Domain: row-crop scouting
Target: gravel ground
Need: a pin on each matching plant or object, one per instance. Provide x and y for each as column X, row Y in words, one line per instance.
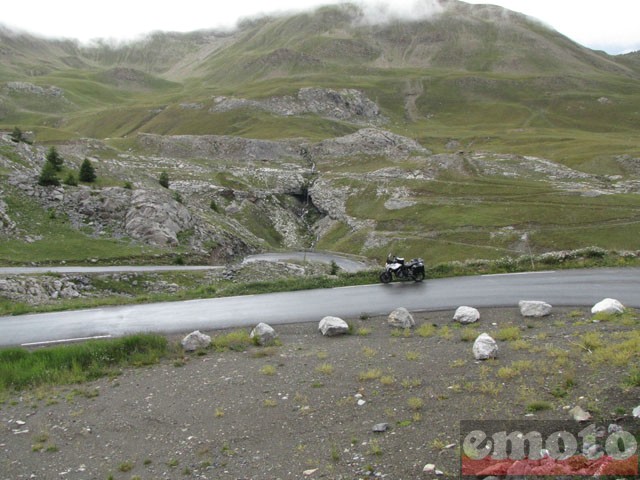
column 307, row 408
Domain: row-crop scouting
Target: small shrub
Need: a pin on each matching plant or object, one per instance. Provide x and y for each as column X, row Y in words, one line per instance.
column 163, row 179
column 71, row 180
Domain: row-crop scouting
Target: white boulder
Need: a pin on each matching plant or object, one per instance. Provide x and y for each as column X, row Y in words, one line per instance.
column 332, row 326
column 263, row 334
column 534, row 308
column 485, row 347
column 401, row 318
column 466, row 315
column 608, row 305
column 195, row 340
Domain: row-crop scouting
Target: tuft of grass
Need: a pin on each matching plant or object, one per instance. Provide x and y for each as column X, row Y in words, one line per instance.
column 375, row 448
column 633, row 377
column 387, row 380
column 325, row 369
column 507, row 373
column 415, row 403
column 508, row 334
column 125, row 466
column 409, row 383
column 371, row 374
column 426, row 330
column 369, row 352
column 445, row 332
column 468, row 334
column 268, row 370
column 538, row 406
column 363, row 331
column 591, row 341
column 237, row 340
column 412, row 355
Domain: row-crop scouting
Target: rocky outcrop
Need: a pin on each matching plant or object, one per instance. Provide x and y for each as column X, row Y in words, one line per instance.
column 347, row 104
column 39, row 290
column 31, row 89
column 156, row 219
column 369, row 142
column 7, row 226
column 222, row 147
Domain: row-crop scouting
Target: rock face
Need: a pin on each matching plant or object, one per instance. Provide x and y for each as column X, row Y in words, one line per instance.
column 332, row 326
column 156, row 220
column 195, row 340
column 401, row 318
column 347, row 104
column 368, row 141
column 485, row 347
column 534, row 308
column 264, row 334
column 608, row 305
column 466, row 315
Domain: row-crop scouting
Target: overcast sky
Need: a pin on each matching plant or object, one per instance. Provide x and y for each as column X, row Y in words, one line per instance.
column 610, row 25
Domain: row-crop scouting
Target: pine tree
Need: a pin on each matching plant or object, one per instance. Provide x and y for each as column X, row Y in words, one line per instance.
column 55, row 159
column 16, row 135
column 48, row 175
column 87, row 172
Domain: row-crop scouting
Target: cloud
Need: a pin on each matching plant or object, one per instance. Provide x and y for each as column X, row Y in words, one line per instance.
column 382, row 12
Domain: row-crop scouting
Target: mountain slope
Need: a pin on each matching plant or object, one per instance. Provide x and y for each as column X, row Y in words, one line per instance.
column 474, row 132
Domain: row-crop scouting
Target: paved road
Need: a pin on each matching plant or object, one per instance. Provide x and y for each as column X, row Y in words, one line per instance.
column 346, row 264
column 561, row 288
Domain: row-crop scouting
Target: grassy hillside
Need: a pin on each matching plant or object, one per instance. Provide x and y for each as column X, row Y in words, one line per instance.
column 474, row 79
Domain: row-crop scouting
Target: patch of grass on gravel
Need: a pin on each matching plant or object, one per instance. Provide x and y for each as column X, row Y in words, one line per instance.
column 21, row 368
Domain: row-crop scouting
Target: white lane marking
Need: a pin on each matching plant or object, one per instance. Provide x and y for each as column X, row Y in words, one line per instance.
column 518, row 273
column 51, row 342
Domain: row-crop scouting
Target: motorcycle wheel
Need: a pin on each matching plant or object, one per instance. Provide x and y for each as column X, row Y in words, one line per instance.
column 418, row 276
column 385, row 277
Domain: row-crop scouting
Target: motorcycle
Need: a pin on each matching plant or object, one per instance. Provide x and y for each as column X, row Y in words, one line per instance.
column 413, row 270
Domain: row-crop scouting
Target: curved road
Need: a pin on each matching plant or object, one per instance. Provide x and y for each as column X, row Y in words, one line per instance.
column 561, row 288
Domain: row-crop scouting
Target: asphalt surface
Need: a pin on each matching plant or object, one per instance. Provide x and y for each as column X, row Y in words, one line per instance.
column 346, row 264
column 559, row 288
